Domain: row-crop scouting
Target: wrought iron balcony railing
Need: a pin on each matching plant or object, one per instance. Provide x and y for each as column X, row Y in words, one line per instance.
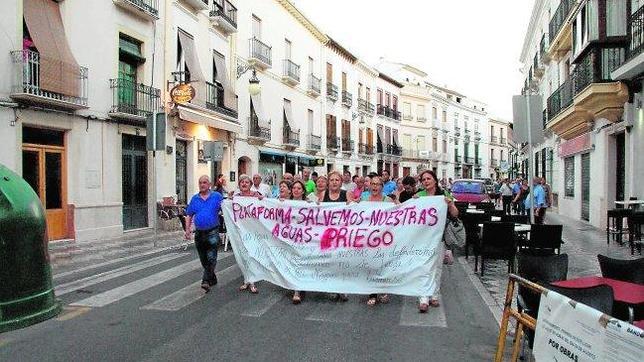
column 636, row 33
column 558, row 20
column 394, row 150
column 256, row 131
column 347, row 99
column 215, row 100
column 131, row 99
column 315, row 142
column 260, row 51
column 469, row 160
column 291, row 137
column 332, row 142
column 502, row 140
column 226, row 10
column 291, row 70
column 457, row 158
column 314, row 84
column 48, row 81
column 149, row 8
column 494, row 162
column 560, row 99
column 332, row 91
column 347, row 145
column 388, row 112
column 494, row 139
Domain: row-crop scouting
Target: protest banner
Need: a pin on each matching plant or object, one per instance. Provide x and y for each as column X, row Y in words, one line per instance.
column 571, row 331
column 367, row 247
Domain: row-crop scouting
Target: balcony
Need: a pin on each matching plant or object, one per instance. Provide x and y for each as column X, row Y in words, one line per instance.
column 332, row 142
column 290, row 72
column 147, row 9
column 560, row 30
column 477, row 136
column 466, row 138
column 64, row 86
column 589, row 94
column 215, row 100
column 469, row 160
column 197, row 4
column 259, row 54
column 421, row 118
column 478, row 161
column 394, row 150
column 347, row 99
column 257, row 132
column 544, row 44
column 457, row 131
column 133, row 101
column 502, row 140
column 314, row 86
column 634, row 64
column 290, row 138
column 494, row 162
column 347, row 145
column 365, row 149
column 538, row 67
column 467, row 131
column 365, row 107
column 457, row 159
column 407, row 117
column 315, row 143
column 388, row 112
column 223, row 15
column 331, row 92
column 494, row 139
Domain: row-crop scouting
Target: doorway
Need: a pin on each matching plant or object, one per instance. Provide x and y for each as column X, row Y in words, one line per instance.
column 585, row 186
column 135, row 182
column 44, row 168
column 181, row 165
column 620, row 167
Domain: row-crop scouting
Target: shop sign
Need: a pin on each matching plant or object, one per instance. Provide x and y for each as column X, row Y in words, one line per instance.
column 576, row 145
column 182, row 93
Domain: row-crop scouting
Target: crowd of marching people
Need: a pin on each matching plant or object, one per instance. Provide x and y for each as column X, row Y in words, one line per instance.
column 309, row 186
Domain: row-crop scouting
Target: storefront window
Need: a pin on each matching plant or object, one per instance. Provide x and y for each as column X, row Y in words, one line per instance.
column 569, row 176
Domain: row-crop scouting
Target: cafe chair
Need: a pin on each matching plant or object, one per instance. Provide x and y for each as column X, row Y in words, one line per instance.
column 541, row 270
column 615, row 224
column 625, row 270
column 472, row 231
column 599, row 297
column 461, row 204
column 635, row 224
column 497, row 243
column 517, row 219
column 544, row 240
column 495, row 212
column 485, row 206
column 634, row 207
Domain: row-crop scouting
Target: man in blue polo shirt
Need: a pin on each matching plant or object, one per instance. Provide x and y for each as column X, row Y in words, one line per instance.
column 389, row 186
column 204, row 209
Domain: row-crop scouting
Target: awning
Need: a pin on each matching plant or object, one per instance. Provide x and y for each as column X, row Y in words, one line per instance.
column 381, row 138
column 289, row 117
column 230, row 100
column 192, row 63
column 59, row 71
column 195, row 116
column 395, row 134
column 259, row 110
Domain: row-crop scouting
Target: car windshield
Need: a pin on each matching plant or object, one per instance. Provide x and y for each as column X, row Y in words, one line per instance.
column 464, row 187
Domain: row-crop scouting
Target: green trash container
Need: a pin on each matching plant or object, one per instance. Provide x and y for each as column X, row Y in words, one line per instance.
column 26, row 290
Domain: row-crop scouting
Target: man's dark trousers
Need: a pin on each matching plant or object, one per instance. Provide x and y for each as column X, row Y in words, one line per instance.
column 206, row 242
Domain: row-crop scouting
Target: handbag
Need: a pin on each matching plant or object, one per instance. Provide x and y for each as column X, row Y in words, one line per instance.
column 454, row 233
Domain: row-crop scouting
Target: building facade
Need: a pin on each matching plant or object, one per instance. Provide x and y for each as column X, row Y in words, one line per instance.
column 582, row 57
column 499, row 149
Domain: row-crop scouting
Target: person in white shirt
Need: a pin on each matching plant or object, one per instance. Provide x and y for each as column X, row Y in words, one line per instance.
column 506, row 196
column 347, row 184
column 260, row 187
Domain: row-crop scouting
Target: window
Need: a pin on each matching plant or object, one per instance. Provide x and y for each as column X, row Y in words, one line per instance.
column 476, row 124
column 435, row 144
column 257, row 27
column 394, row 104
column 444, row 146
column 129, row 60
column 492, row 154
column 434, row 113
column 329, row 73
column 379, row 97
column 421, row 143
column 406, row 141
column 501, row 157
column 616, row 17
column 569, row 176
column 407, row 110
column 311, row 66
column 360, row 90
column 310, row 121
column 387, row 99
column 420, row 112
column 344, row 81
column 444, row 116
column 287, row 49
column 368, row 94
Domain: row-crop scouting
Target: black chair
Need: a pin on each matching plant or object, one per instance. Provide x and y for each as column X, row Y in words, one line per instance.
column 498, row 243
column 485, row 206
column 625, row 270
column 615, row 224
column 544, row 240
column 472, row 231
column 517, row 219
column 634, row 207
column 495, row 212
column 541, row 270
column 635, row 223
column 461, row 204
column 599, row 297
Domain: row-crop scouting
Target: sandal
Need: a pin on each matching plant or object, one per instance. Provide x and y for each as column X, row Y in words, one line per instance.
column 253, row 288
column 343, row 297
column 423, row 308
column 372, row 301
column 383, row 298
column 296, row 298
column 243, row 287
column 434, row 303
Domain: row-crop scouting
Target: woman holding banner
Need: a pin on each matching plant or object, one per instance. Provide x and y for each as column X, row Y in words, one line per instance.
column 431, row 188
column 334, row 193
column 298, row 192
column 284, row 190
column 244, row 190
column 320, row 189
column 376, row 195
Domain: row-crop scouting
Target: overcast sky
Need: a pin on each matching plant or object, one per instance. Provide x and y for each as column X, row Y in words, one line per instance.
column 471, row 46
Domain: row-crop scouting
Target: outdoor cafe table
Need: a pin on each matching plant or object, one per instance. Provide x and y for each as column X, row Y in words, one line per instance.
column 628, row 203
column 518, row 228
column 631, row 294
column 474, row 211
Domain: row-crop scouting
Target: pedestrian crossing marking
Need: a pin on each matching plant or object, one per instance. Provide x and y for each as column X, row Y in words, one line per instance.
column 192, row 293
column 410, row 317
column 112, row 274
column 255, row 305
column 137, row 286
column 336, row 312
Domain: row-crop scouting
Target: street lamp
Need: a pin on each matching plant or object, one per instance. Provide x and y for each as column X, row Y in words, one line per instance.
column 253, row 85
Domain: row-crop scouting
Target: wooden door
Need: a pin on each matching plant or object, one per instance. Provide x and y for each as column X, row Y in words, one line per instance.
column 44, row 168
column 329, row 73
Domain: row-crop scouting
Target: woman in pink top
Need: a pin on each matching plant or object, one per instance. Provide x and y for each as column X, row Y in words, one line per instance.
column 357, row 192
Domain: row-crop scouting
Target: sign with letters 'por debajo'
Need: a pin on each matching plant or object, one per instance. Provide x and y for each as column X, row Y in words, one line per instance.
column 366, row 247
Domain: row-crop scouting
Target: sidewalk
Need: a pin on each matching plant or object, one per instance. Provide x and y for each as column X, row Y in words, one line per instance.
column 582, row 243
column 69, row 255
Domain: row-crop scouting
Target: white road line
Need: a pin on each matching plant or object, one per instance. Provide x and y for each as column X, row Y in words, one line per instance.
column 137, row 286
column 110, row 262
column 192, row 293
column 495, row 308
column 255, row 305
column 109, row 275
column 336, row 312
column 410, row 317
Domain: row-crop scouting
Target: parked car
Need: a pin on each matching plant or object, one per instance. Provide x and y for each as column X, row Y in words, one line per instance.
column 468, row 190
column 489, row 184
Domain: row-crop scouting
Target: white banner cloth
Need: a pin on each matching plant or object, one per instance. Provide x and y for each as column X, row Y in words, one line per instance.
column 361, row 248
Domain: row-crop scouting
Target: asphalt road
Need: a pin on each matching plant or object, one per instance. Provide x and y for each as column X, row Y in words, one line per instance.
column 152, row 309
